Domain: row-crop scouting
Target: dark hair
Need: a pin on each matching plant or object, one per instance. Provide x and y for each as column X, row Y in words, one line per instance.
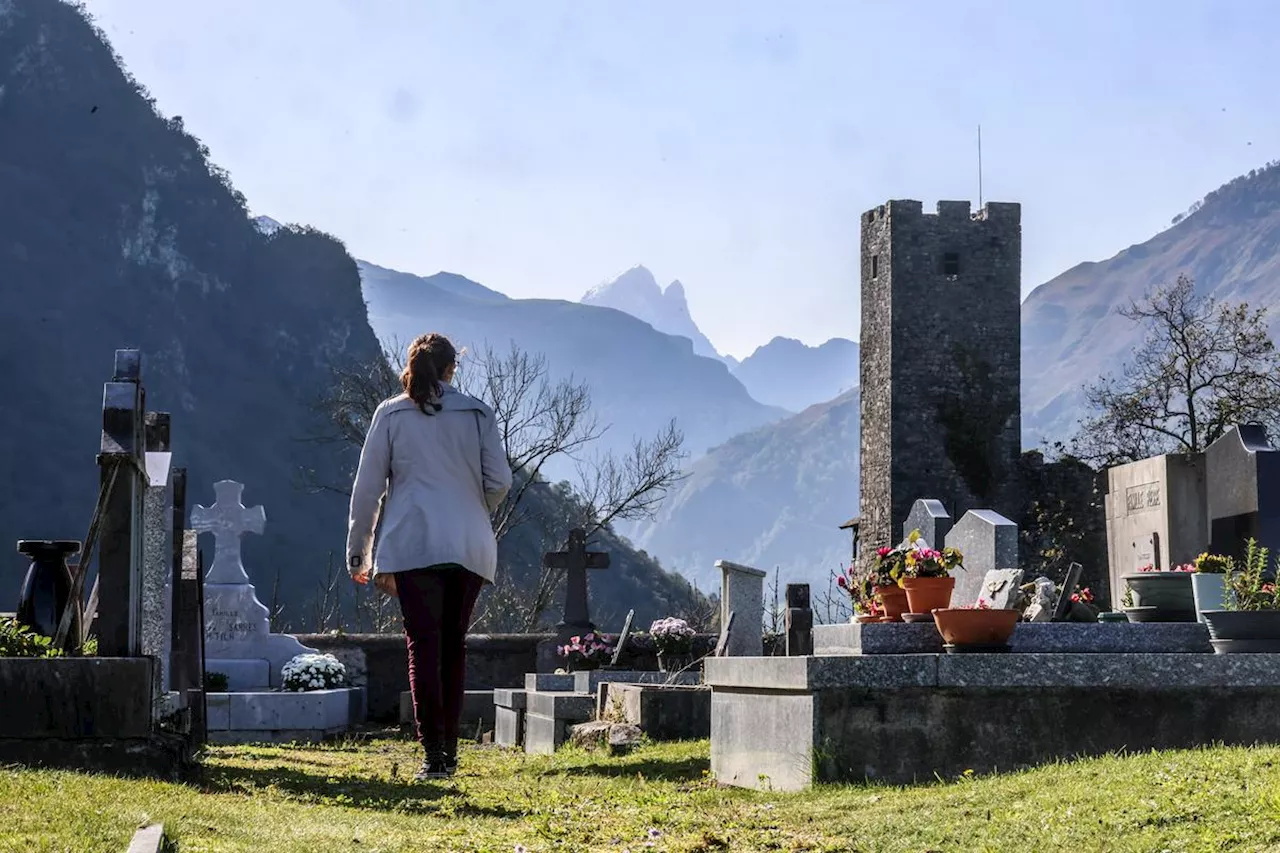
column 429, row 357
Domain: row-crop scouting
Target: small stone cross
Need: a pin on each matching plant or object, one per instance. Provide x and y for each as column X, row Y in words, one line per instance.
column 228, row 519
column 576, row 560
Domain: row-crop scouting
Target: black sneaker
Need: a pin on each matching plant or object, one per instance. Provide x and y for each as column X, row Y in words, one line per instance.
column 451, row 764
column 432, row 769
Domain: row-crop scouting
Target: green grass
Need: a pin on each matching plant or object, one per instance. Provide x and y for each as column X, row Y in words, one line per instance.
column 356, row 796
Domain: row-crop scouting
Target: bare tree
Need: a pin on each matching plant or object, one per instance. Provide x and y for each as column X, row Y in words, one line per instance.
column 1202, row 367
column 541, row 420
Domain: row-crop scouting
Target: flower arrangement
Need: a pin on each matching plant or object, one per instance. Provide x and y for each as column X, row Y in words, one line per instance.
column 1082, row 596
column 1254, row 587
column 585, row 652
column 1213, row 564
column 312, row 672
column 912, row 559
column 1185, row 567
column 861, row 590
column 672, row 636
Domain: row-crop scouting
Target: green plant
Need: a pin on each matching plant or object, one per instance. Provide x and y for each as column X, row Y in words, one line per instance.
column 215, row 682
column 1213, row 564
column 19, row 641
column 1254, row 588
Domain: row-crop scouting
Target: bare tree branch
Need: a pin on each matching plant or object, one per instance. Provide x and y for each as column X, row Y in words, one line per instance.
column 1202, row 367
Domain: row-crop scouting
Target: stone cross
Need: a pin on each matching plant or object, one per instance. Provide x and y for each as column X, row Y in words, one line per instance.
column 575, row 561
column 228, row 519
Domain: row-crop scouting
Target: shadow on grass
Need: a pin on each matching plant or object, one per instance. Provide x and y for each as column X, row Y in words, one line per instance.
column 653, row 769
column 402, row 797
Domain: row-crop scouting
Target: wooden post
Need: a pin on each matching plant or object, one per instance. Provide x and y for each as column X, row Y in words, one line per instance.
column 118, row 610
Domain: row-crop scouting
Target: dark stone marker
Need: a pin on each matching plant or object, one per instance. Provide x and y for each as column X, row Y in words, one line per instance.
column 799, row 621
column 118, row 604
column 1242, row 489
column 47, row 589
column 931, row 518
column 575, row 560
column 1062, row 606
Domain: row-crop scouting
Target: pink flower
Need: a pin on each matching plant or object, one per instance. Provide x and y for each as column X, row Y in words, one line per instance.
column 842, row 582
column 883, row 552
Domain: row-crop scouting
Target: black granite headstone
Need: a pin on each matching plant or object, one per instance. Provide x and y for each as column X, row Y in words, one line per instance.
column 1242, row 489
column 799, row 621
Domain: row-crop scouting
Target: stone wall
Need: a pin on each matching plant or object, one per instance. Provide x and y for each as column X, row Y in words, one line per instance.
column 378, row 663
column 941, row 361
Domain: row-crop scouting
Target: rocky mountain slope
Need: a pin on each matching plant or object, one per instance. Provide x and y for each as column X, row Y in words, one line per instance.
column 117, row 231
column 1229, row 243
column 640, row 378
column 772, row 498
column 636, row 292
column 790, row 374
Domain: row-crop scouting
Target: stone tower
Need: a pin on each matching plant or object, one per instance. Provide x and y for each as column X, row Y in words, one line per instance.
column 940, row 372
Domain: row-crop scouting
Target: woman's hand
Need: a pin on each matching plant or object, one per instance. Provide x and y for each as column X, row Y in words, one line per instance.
column 360, row 575
column 386, row 584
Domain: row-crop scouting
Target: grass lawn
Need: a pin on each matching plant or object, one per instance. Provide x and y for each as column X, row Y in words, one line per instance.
column 355, row 796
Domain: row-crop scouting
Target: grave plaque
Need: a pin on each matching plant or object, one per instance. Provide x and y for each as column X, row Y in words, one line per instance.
column 1001, row 589
column 1146, row 552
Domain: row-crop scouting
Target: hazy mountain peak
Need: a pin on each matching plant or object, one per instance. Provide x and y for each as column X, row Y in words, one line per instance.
column 636, row 292
column 266, row 225
column 789, row 373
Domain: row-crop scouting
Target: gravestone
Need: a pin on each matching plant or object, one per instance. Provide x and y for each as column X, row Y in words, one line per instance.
column 988, row 541
column 1243, row 491
column 575, row 560
column 157, row 550
column 799, row 621
column 237, row 633
column 742, row 593
column 1069, row 583
column 115, row 603
column 1161, row 496
column 622, row 638
column 931, row 518
column 1001, row 589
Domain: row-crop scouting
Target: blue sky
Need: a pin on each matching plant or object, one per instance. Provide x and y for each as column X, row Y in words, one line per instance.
column 542, row 147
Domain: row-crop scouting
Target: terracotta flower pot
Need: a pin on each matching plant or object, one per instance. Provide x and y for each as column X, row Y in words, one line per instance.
column 925, row 595
column 976, row 627
column 894, row 599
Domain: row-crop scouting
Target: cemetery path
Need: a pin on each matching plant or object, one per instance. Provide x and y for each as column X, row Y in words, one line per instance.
column 355, row 796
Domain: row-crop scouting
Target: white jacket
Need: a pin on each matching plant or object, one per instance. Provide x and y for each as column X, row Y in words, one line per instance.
column 437, row 477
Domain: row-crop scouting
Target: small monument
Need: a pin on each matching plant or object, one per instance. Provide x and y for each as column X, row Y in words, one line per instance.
column 576, row 560
column 237, row 634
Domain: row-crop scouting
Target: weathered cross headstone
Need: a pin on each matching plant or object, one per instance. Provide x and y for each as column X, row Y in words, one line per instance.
column 228, row 519
column 237, row 630
column 1069, row 583
column 115, row 604
column 575, row 560
column 1243, row 488
column 1001, row 588
column 931, row 518
column 742, row 592
column 799, row 621
column 622, row 638
column 988, row 541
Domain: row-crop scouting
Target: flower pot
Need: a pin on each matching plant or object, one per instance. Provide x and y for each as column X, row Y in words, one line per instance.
column 960, row 627
column 1209, row 592
column 673, row 661
column 1169, row 592
column 925, row 595
column 894, row 599
column 1243, row 624
column 47, row 589
column 864, row 618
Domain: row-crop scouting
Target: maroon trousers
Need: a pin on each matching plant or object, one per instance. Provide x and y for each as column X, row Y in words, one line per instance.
column 437, row 603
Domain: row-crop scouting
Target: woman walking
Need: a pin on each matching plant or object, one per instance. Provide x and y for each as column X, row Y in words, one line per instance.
column 434, row 462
